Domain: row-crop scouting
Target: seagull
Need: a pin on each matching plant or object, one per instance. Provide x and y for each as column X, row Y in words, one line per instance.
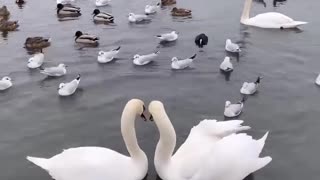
column 136, row 18
column 67, row 89
column 250, row 88
column 168, row 36
column 183, row 63
column 232, row 47
column 226, row 65
column 151, row 9
column 36, row 61
column 141, row 60
column 5, row 83
column 100, row 3
column 318, row 80
column 233, row 110
column 201, row 40
column 57, row 71
column 108, row 56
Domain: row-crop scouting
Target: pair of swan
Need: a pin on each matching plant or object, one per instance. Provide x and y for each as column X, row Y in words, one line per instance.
column 213, row 150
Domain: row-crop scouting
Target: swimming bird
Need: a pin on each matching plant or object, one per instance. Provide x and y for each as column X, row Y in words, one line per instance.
column 275, row 2
column 8, row 25
column 5, row 83
column 37, row 42
column 67, row 89
column 4, row 11
column 68, row 10
column 100, row 163
column 100, row 3
column 85, row 38
column 318, row 80
column 180, row 12
column 136, row 18
column 250, row 88
column 151, row 9
column 226, row 65
column 168, row 36
column 183, row 63
column 221, row 152
column 36, row 61
column 56, row 71
column 201, row 40
column 65, row 1
column 168, row 2
column 20, row 2
column 102, row 17
column 141, row 60
column 233, row 110
column 232, row 47
column 108, row 56
column 268, row 20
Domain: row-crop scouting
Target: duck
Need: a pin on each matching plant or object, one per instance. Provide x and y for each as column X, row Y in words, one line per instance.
column 233, row 110
column 152, row 9
column 100, row 3
column 168, row 2
column 136, row 18
column 183, row 63
column 318, row 80
column 20, row 2
column 55, row 71
column 102, row 17
column 67, row 89
column 68, row 10
column 232, row 47
column 168, row 37
column 226, row 65
column 141, row 60
column 97, row 163
column 269, row 20
column 250, row 88
column 180, row 12
column 4, row 11
column 201, row 40
column 108, row 56
column 85, row 38
column 8, row 25
column 5, row 83
column 223, row 151
column 36, row 61
column 37, row 42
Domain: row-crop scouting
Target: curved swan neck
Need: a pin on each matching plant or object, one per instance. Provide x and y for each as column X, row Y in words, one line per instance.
column 246, row 11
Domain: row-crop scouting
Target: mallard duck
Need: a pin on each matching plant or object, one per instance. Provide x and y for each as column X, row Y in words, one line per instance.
column 86, row 38
column 4, row 11
column 20, row 1
column 102, row 17
column 168, row 2
column 180, row 12
column 8, row 25
column 37, row 42
column 68, row 10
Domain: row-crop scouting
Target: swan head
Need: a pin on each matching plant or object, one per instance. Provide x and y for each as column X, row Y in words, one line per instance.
column 227, row 103
column 137, row 106
column 155, row 109
column 174, row 59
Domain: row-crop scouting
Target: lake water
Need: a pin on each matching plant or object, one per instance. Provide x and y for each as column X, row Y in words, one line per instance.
column 34, row 120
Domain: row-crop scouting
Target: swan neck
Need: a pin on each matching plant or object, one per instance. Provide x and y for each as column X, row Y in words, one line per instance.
column 246, row 11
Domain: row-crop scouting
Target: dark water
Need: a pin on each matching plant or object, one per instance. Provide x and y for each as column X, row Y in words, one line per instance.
column 35, row 121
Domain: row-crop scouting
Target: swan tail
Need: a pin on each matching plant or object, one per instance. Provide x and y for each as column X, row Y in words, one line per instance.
column 294, row 24
column 41, row 162
column 261, row 142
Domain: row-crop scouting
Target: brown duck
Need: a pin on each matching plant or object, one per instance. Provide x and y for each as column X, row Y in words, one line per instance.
column 168, row 2
column 8, row 25
column 180, row 12
column 36, row 42
column 4, row 11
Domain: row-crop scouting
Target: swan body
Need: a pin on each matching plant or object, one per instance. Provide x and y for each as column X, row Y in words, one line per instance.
column 172, row 36
column 250, row 88
column 67, row 89
column 99, row 163
column 183, row 63
column 233, row 110
column 100, row 3
column 136, row 18
column 220, row 154
column 152, row 9
column 141, row 60
column 108, row 56
column 36, row 61
column 57, row 71
column 5, row 83
column 318, row 80
column 268, row 20
column 226, row 65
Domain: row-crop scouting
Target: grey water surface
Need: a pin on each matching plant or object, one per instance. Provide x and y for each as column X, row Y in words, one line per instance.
column 35, row 121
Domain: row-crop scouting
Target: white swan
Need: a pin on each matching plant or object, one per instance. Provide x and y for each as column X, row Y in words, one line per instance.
column 211, row 152
column 99, row 163
column 67, row 89
column 268, row 20
column 318, row 80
